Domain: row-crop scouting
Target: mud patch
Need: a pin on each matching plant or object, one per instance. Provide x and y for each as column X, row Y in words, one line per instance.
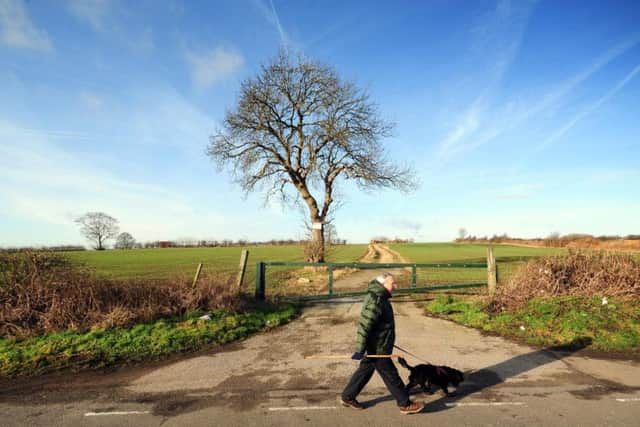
column 340, row 321
column 469, row 350
column 316, row 398
column 300, row 381
column 598, row 391
column 490, row 394
column 593, row 388
column 542, row 395
column 251, row 380
column 176, row 405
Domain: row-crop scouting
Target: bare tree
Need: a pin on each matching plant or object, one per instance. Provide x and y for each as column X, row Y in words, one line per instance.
column 125, row 241
column 98, row 227
column 296, row 129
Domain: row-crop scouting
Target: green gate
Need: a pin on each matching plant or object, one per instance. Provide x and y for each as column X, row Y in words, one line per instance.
column 261, row 284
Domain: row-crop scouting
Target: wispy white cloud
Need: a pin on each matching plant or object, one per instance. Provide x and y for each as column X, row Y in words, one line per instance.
column 271, row 15
column 17, row 30
column 107, row 17
column 213, row 66
column 480, row 124
column 93, row 12
column 497, row 35
column 467, row 125
column 496, row 39
column 91, row 101
column 161, row 116
column 283, row 36
column 143, row 42
column 53, row 134
column 590, row 108
column 48, row 184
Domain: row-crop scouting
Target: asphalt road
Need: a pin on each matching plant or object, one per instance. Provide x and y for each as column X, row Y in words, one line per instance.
column 266, row 380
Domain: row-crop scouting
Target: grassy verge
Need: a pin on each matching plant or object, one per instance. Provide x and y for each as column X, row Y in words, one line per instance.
column 563, row 321
column 143, row 342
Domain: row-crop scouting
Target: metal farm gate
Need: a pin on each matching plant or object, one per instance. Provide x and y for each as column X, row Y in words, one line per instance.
column 442, row 277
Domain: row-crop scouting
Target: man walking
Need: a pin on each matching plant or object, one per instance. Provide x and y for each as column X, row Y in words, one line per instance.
column 376, row 335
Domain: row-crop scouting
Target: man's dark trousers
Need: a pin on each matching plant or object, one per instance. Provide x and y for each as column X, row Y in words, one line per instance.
column 387, row 371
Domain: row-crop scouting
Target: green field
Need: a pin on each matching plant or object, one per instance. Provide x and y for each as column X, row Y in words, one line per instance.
column 172, row 262
column 508, row 258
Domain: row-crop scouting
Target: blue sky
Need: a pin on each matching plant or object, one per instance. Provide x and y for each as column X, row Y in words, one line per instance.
column 520, row 117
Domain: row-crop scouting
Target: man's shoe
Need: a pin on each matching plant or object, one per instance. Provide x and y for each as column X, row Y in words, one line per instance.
column 351, row 403
column 412, row 408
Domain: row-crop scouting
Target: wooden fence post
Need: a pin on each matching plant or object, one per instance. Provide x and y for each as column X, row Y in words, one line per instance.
column 244, row 256
column 195, row 278
column 492, row 277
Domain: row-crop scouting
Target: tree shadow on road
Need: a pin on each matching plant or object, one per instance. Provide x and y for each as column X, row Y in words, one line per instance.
column 482, row 379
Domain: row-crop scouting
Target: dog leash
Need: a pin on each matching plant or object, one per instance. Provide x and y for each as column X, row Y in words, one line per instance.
column 348, row 356
column 438, row 368
column 411, row 354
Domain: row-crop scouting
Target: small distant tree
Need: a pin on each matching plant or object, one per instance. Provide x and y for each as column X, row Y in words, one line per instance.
column 125, row 241
column 98, row 227
column 462, row 233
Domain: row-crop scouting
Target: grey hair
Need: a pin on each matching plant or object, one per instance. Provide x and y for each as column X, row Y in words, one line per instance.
column 381, row 278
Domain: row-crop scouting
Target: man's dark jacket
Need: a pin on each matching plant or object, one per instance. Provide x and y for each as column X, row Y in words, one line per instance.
column 376, row 330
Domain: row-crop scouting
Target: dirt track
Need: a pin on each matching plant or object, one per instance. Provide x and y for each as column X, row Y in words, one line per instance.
column 266, row 380
column 359, row 280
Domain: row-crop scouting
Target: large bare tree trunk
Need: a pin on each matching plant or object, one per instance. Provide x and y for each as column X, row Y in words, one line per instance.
column 318, row 244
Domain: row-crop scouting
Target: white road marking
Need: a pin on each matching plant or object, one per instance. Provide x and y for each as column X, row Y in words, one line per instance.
column 485, row 404
column 633, row 399
column 301, row 408
column 97, row 414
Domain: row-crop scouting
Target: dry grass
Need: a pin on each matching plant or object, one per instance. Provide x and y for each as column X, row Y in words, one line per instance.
column 44, row 292
column 580, row 273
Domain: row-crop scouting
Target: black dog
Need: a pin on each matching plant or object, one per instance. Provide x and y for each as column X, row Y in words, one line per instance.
column 425, row 375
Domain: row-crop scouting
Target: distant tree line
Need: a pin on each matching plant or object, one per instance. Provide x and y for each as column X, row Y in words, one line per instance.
column 58, row 248
column 552, row 240
column 384, row 239
column 126, row 243
column 180, row 243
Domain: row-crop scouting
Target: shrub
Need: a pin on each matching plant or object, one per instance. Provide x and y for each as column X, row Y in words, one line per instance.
column 580, row 273
column 44, row 292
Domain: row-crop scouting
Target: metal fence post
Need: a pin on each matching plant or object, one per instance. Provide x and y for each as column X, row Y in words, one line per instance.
column 330, row 271
column 260, row 267
column 413, row 276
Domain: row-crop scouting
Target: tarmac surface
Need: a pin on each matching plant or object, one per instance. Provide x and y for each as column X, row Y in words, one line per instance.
column 266, row 380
